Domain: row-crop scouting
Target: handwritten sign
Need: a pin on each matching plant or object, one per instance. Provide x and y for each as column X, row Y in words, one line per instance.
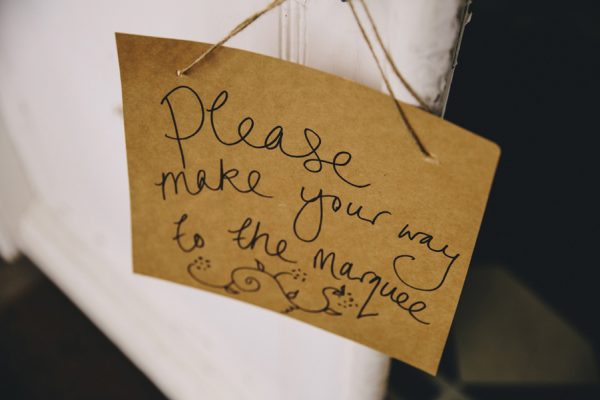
column 301, row 192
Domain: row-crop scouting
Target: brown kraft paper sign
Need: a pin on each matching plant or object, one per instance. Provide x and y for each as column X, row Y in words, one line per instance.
column 300, row 192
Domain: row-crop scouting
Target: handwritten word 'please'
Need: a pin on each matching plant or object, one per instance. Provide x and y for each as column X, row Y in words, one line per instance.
column 273, row 140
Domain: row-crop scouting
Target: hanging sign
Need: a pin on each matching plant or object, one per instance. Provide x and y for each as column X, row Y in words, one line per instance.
column 300, row 192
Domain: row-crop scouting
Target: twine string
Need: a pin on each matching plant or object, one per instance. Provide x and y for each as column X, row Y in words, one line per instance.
column 275, row 3
column 390, row 59
column 243, row 25
column 401, row 110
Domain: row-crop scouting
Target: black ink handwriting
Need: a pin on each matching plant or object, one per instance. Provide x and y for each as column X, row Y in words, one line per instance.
column 251, row 279
column 273, row 140
column 178, row 137
column 424, row 239
column 381, row 288
column 245, row 243
column 200, row 182
column 197, row 241
column 336, row 205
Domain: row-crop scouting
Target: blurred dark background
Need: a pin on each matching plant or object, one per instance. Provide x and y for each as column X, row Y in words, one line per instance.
column 526, row 79
column 50, row 350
